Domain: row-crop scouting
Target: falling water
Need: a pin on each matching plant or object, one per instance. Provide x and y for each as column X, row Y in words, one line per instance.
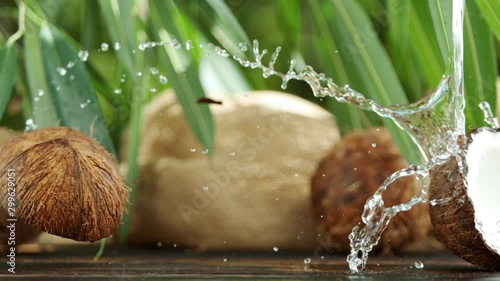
column 375, row 216
column 436, row 124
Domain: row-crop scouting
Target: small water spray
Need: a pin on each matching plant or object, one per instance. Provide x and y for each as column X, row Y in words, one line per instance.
column 489, row 118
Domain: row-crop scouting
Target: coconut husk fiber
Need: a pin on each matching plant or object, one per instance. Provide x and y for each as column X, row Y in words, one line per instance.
column 252, row 193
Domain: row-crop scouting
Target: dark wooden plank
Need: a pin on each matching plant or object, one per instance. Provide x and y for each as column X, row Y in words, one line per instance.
column 75, row 263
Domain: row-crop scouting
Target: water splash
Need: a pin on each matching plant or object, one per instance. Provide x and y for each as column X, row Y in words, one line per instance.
column 436, row 124
column 489, row 118
column 451, row 108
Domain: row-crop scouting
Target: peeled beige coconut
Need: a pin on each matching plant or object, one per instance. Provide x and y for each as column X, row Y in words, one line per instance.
column 467, row 218
column 252, row 193
column 351, row 172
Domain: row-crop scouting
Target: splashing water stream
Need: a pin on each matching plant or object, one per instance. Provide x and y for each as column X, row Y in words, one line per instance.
column 436, row 124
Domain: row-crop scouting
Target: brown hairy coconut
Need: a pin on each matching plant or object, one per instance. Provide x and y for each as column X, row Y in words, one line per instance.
column 460, row 211
column 252, row 193
column 349, row 175
column 65, row 184
column 23, row 232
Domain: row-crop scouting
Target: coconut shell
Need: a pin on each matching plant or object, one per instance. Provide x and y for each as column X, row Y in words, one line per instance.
column 66, row 184
column 352, row 172
column 453, row 219
column 24, row 233
column 251, row 193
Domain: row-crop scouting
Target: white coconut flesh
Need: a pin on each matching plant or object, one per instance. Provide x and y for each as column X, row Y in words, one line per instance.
column 483, row 185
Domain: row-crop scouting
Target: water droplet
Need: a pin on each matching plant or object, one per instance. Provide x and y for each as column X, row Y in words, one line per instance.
column 277, row 199
column 72, row 77
column 175, row 245
column 374, row 144
column 192, row 149
column 117, row 46
column 205, row 151
column 70, row 64
column 61, row 70
column 221, row 52
column 83, row 105
column 163, row 79
column 153, row 90
column 232, row 153
column 159, row 244
column 40, row 93
column 419, row 265
column 30, row 125
column 139, row 73
column 323, row 175
column 224, row 259
column 176, row 44
column 275, row 248
column 83, row 55
column 243, row 46
column 104, row 47
column 307, row 260
column 296, row 175
column 154, row 70
column 117, row 91
column 188, row 45
column 205, row 187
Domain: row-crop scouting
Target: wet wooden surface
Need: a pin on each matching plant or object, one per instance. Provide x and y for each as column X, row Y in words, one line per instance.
column 164, row 264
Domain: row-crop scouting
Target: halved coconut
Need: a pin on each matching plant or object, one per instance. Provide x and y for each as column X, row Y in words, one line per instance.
column 467, row 221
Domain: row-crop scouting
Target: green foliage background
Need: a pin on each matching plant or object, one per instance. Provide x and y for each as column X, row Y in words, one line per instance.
column 393, row 51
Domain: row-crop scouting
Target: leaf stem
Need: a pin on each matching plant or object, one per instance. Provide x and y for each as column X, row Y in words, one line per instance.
column 21, row 22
